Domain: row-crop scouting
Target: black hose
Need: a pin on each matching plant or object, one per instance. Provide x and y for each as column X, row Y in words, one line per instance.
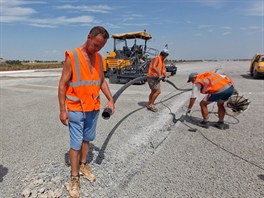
column 118, row 93
column 107, row 111
column 171, row 83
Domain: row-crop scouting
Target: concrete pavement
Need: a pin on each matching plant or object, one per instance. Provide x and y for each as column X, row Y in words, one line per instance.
column 137, row 153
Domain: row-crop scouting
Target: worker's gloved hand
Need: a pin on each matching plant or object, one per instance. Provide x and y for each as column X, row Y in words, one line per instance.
column 161, row 78
column 235, row 92
column 188, row 111
column 165, row 78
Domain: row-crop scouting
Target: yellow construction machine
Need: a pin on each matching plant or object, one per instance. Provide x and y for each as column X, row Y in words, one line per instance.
column 130, row 57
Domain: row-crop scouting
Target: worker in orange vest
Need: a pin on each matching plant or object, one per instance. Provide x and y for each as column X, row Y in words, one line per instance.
column 218, row 89
column 81, row 81
column 156, row 71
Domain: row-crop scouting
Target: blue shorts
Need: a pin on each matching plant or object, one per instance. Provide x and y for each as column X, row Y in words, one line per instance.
column 82, row 127
column 220, row 96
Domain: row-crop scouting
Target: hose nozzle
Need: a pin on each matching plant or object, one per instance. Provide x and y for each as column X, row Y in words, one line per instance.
column 107, row 113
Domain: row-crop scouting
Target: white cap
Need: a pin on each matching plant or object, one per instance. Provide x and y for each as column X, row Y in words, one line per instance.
column 165, row 51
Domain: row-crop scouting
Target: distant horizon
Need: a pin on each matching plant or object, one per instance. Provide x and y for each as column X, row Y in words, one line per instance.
column 177, row 60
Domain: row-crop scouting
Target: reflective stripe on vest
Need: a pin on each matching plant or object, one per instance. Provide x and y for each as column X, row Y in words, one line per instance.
column 155, row 70
column 206, row 82
column 78, row 73
column 77, row 85
column 76, row 99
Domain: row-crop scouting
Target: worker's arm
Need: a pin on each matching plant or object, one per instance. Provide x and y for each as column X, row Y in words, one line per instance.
column 105, row 89
column 64, row 80
column 195, row 91
column 163, row 71
column 191, row 103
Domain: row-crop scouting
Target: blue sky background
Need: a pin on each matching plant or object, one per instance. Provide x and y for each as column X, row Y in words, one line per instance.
column 193, row 29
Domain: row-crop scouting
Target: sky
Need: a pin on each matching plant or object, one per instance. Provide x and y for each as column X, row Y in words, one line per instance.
column 193, row 29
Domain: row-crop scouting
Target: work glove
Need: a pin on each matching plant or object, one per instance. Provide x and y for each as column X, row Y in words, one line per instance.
column 188, row 111
column 235, row 92
column 165, row 78
column 161, row 78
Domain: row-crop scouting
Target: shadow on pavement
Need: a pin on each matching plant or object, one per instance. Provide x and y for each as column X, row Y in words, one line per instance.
column 260, row 176
column 197, row 121
column 90, row 155
column 67, row 159
column 143, row 105
column 248, row 76
column 3, row 172
column 187, row 119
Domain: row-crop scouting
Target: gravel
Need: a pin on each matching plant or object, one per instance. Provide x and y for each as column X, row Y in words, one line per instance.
column 137, row 153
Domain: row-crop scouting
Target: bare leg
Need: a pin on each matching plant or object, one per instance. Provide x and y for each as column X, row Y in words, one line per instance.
column 153, row 96
column 150, row 98
column 74, row 158
column 85, row 169
column 203, row 105
column 221, row 110
column 84, row 151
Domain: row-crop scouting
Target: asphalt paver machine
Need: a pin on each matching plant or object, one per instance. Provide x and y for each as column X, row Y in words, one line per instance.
column 130, row 58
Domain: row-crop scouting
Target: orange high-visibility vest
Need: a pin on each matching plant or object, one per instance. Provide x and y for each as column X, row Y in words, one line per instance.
column 82, row 92
column 211, row 82
column 157, row 68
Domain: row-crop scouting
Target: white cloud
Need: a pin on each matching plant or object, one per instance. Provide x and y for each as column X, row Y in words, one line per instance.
column 131, row 16
column 68, row 1
column 8, row 3
column 205, row 26
column 10, row 19
column 17, row 11
column 135, row 24
column 42, row 25
column 227, row 28
column 15, row 3
column 111, row 25
column 128, row 19
column 136, row 15
column 251, row 28
column 255, row 9
column 254, row 27
column 87, row 8
column 212, row 3
column 54, row 22
column 22, row 12
column 14, row 11
column 226, row 33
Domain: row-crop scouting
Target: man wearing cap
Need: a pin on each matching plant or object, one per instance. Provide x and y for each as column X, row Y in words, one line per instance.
column 218, row 89
column 156, row 71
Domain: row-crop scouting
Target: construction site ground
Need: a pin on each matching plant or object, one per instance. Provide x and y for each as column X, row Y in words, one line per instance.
column 136, row 153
